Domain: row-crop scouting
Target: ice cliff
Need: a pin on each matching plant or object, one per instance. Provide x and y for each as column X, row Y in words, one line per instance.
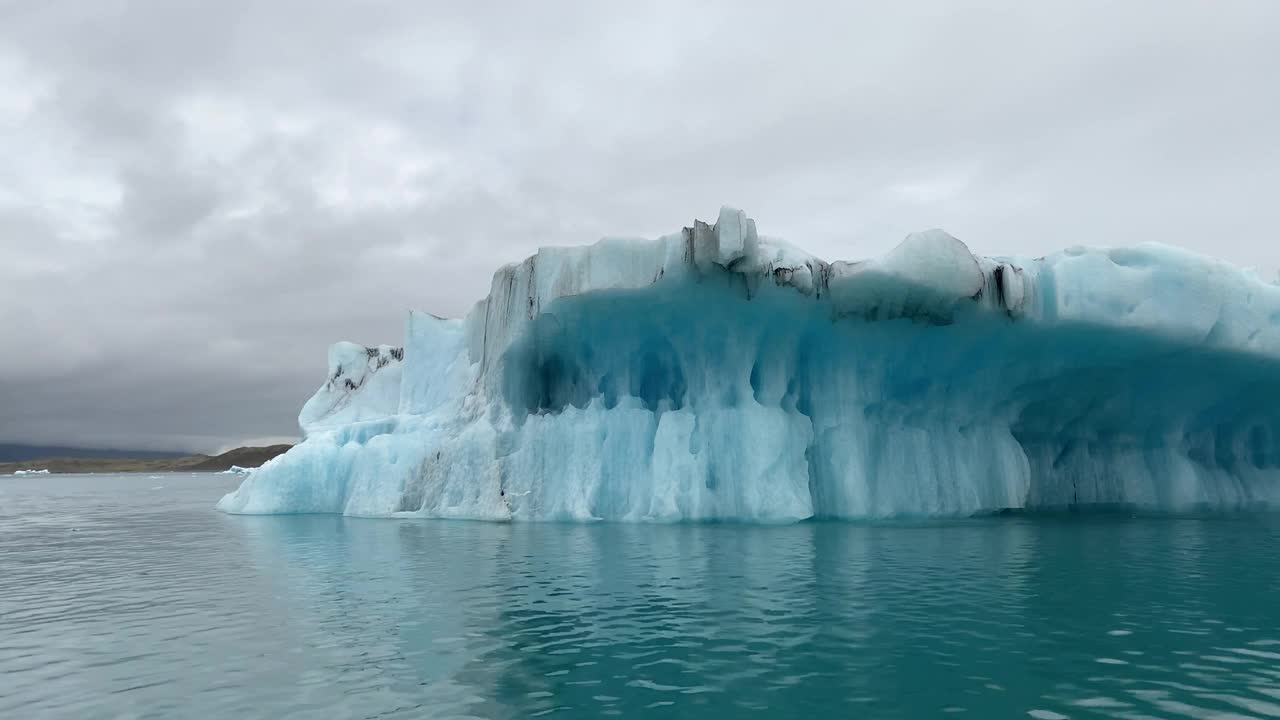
column 718, row 374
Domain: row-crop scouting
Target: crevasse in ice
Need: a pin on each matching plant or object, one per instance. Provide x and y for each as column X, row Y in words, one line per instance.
column 717, row 374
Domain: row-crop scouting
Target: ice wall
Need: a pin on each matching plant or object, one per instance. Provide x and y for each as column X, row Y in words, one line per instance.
column 717, row 374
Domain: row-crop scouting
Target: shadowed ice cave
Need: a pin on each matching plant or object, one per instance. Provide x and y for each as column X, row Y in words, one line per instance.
column 905, row 416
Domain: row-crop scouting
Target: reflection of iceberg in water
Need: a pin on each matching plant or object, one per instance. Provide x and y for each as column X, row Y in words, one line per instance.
column 392, row 610
column 506, row 621
column 717, row 374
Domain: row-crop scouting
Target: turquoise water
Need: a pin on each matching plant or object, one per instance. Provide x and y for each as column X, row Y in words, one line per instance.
column 129, row 596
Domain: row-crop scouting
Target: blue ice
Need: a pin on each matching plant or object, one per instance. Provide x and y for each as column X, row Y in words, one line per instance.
column 715, row 374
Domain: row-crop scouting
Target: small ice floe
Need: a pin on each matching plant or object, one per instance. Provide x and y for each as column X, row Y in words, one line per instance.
column 236, row 470
column 30, row 472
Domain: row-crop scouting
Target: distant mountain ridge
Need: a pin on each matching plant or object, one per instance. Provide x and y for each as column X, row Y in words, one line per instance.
column 17, row 452
column 147, row 462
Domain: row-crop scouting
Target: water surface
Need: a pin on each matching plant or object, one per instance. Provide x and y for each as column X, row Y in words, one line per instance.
column 129, row 596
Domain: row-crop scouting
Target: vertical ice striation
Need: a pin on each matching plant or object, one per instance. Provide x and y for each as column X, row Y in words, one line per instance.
column 717, row 374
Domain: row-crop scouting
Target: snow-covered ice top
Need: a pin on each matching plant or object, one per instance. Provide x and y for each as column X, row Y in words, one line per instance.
column 719, row 374
column 372, row 374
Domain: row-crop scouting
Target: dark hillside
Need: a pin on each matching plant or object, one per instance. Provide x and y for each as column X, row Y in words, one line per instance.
column 13, row 452
column 244, row 457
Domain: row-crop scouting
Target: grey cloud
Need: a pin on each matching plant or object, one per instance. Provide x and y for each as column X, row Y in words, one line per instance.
column 199, row 197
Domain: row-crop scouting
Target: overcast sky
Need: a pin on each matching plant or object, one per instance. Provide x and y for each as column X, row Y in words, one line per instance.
column 197, row 198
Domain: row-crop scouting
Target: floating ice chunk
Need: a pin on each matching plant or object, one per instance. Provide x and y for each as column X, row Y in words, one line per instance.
column 31, row 472
column 717, row 374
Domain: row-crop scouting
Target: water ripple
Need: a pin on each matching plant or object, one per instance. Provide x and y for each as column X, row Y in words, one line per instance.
column 120, row 601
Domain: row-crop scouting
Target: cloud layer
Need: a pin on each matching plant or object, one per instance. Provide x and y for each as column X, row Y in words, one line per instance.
column 197, row 198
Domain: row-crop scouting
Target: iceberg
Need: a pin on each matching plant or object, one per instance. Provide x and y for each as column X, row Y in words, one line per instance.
column 717, row 374
column 30, row 472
